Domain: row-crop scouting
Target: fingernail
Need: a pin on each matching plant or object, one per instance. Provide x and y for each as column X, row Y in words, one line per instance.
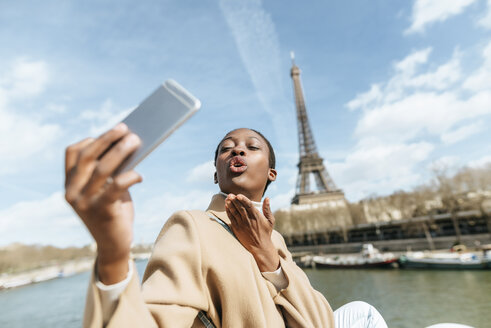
column 121, row 127
column 132, row 140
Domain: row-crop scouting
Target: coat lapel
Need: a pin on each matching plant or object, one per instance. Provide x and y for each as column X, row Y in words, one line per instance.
column 217, row 208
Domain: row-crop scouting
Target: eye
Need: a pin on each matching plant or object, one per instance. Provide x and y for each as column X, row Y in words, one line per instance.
column 224, row 149
column 253, row 148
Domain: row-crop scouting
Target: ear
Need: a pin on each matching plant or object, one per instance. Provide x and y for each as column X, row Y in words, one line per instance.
column 272, row 174
column 215, row 178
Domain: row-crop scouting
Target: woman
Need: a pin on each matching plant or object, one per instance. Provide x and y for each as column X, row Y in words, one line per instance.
column 226, row 265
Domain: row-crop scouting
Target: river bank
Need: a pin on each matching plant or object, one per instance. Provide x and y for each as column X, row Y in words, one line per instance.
column 47, row 273
column 60, row 270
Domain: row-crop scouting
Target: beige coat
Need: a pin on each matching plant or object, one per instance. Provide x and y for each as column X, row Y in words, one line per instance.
column 197, row 265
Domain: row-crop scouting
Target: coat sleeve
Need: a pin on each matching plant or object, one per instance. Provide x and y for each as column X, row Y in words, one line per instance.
column 300, row 303
column 173, row 289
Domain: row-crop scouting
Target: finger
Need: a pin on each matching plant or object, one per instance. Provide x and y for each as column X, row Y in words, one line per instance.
column 245, row 201
column 251, row 210
column 111, row 161
column 241, row 210
column 230, row 208
column 234, row 225
column 71, row 156
column 121, row 183
column 93, row 151
column 228, row 202
column 267, row 211
column 87, row 160
column 231, row 213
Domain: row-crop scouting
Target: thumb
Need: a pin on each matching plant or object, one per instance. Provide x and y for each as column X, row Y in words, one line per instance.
column 267, row 211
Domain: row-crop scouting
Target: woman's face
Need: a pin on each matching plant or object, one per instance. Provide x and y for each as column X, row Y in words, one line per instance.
column 242, row 165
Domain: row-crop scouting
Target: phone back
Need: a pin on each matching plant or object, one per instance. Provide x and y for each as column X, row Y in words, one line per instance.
column 157, row 117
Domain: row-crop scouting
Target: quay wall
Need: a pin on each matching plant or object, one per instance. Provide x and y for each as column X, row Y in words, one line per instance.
column 400, row 245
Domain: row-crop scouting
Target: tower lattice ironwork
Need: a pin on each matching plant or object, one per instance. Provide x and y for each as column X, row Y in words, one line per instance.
column 310, row 163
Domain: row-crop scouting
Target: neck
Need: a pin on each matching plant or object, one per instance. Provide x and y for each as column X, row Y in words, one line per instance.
column 258, row 205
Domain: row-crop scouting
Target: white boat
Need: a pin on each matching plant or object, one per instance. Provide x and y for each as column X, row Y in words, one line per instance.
column 369, row 257
column 452, row 261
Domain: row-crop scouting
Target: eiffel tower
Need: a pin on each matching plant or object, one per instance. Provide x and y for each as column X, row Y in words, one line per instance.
column 310, row 162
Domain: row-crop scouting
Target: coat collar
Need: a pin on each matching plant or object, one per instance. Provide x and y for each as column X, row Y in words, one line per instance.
column 217, row 207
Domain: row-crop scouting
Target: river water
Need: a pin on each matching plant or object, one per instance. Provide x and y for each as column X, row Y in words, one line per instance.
column 405, row 298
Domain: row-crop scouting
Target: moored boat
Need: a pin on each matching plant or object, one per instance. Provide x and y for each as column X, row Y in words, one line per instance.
column 449, row 261
column 369, row 257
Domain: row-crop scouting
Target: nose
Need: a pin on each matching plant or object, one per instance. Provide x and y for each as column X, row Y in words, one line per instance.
column 238, row 151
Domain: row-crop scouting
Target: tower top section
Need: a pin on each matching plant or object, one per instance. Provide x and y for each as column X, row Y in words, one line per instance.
column 295, row 71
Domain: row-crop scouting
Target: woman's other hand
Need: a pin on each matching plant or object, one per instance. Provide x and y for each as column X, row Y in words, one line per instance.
column 102, row 200
column 253, row 229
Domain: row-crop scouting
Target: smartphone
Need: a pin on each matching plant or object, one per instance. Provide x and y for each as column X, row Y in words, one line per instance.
column 157, row 117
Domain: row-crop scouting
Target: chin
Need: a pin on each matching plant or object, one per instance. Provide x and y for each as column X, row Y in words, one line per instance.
column 237, row 189
column 242, row 188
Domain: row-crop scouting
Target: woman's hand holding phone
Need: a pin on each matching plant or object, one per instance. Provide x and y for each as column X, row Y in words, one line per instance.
column 99, row 173
column 102, row 200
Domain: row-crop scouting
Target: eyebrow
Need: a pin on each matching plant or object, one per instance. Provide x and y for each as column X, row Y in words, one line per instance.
column 228, row 138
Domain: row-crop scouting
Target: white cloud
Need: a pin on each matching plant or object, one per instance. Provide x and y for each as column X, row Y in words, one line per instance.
column 22, row 139
column 202, row 173
column 481, row 78
column 56, row 108
column 462, row 132
column 156, row 210
column 23, row 135
column 49, row 220
column 104, row 118
column 25, row 78
column 401, row 117
column 362, row 100
column 409, row 75
column 442, row 77
column 480, row 162
column 445, row 164
column 485, row 21
column 408, row 65
column 412, row 104
column 282, row 200
column 426, row 12
column 421, row 113
column 380, row 166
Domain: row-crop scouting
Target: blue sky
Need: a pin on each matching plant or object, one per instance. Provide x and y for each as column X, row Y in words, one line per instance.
column 393, row 89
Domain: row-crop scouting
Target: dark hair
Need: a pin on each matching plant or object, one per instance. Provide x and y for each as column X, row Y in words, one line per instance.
column 272, row 157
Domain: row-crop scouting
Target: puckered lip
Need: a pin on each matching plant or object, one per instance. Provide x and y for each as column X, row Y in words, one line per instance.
column 238, row 161
column 238, row 164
